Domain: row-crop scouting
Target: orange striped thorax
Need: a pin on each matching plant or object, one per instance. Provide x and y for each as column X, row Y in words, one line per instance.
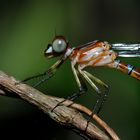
column 97, row 53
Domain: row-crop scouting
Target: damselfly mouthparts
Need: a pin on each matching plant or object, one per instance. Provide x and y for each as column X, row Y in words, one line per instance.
column 94, row 54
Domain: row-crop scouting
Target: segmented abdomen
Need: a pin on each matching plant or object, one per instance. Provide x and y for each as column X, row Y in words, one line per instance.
column 129, row 69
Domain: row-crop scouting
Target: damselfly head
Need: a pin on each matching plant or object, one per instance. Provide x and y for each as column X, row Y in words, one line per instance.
column 57, row 48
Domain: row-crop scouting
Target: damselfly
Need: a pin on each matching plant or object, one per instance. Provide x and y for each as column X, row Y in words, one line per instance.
column 94, row 54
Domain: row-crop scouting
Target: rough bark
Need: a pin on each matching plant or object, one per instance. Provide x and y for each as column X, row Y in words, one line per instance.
column 68, row 114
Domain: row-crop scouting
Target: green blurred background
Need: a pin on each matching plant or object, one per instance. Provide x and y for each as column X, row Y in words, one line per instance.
column 27, row 26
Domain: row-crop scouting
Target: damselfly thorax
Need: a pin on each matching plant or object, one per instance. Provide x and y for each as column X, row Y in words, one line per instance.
column 96, row 54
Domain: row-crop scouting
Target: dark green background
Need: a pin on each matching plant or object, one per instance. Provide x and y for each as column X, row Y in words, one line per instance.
column 27, row 26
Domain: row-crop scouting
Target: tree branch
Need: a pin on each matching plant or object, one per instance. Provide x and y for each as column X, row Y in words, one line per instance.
column 68, row 114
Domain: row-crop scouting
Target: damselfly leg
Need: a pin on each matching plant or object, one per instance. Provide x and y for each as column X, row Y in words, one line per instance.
column 47, row 74
column 33, row 77
column 80, row 75
column 81, row 85
column 102, row 96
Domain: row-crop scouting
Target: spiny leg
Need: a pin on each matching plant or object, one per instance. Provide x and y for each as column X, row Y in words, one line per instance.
column 93, row 86
column 89, row 79
column 33, row 77
column 81, row 84
column 96, row 79
column 50, row 72
column 42, row 81
column 105, row 93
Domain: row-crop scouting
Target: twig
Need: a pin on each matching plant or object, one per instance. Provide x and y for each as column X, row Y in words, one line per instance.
column 67, row 114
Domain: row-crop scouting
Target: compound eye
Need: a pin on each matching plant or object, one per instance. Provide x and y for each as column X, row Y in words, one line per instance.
column 59, row 45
